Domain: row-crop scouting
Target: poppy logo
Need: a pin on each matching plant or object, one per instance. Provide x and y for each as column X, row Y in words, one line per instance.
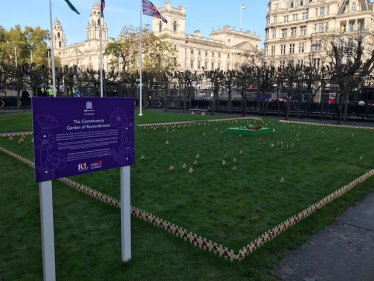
column 82, row 167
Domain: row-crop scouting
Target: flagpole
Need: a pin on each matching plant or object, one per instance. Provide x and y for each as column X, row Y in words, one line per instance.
column 52, row 50
column 241, row 10
column 101, row 53
column 140, row 61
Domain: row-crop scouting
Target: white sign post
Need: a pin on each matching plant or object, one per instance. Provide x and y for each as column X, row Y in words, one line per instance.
column 125, row 213
column 48, row 240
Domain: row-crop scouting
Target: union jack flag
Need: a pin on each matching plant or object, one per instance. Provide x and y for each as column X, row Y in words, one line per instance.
column 150, row 10
column 102, row 7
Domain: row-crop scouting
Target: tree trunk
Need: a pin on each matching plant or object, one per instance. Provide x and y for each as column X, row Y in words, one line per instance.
column 166, row 100
column 243, row 105
column 288, row 107
column 229, row 103
column 345, row 107
column 18, row 98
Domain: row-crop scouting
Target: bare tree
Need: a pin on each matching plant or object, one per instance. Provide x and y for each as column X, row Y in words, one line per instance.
column 245, row 76
column 351, row 57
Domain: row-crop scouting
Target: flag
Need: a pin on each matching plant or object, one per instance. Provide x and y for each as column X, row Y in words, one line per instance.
column 102, row 7
column 71, row 6
column 243, row 7
column 150, row 10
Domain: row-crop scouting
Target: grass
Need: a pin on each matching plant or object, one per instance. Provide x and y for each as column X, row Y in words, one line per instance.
column 22, row 121
column 87, row 234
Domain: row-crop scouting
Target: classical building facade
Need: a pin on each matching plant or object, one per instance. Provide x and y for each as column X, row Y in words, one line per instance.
column 85, row 54
column 224, row 49
column 295, row 29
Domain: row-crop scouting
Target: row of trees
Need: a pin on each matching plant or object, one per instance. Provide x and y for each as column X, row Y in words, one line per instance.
column 343, row 65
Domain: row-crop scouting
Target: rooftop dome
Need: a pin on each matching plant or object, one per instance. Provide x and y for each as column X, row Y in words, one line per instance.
column 56, row 22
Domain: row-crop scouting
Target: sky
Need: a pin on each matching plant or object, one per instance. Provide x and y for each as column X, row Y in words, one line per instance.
column 203, row 15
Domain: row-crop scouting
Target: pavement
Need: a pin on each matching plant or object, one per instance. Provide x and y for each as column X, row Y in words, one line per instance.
column 343, row 251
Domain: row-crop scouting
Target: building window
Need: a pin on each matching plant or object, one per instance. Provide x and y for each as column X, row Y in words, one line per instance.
column 317, row 45
column 206, row 53
column 303, row 30
column 305, row 15
column 212, row 54
column 58, row 35
column 293, row 32
column 360, row 25
column 316, row 62
column 191, row 51
column 175, row 26
column 285, row 18
column 273, row 50
column 295, row 16
column 300, row 62
column 275, row 19
column 219, row 66
column 351, row 26
column 175, row 47
column 301, row 47
column 274, row 33
column 328, row 10
column 283, row 49
column 206, row 65
column 219, row 55
column 353, row 7
column 284, row 33
column 276, row 7
column 320, row 27
column 292, row 48
column 350, row 43
column 322, row 11
column 59, row 44
column 199, row 52
column 198, row 64
column 160, row 26
column 228, row 66
column 340, row 45
column 228, row 56
column 287, row 5
column 191, row 63
column 212, row 65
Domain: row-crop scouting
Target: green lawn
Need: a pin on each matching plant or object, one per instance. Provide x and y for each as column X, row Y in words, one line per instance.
column 22, row 121
column 228, row 207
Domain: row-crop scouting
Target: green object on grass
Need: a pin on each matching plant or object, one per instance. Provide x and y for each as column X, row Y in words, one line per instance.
column 247, row 132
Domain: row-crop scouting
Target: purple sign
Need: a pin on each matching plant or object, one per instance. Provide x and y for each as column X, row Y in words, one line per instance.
column 74, row 136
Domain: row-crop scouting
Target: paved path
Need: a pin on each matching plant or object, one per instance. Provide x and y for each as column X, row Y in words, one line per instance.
column 343, row 251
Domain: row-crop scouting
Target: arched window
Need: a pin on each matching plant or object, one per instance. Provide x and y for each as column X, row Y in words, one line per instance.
column 175, row 26
column 353, row 7
column 58, row 34
column 160, row 26
column 98, row 22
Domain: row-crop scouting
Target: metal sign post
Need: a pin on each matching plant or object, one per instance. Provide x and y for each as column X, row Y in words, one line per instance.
column 125, row 213
column 48, row 240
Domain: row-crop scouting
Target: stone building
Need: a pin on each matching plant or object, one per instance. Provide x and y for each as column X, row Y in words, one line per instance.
column 224, row 49
column 85, row 54
column 295, row 29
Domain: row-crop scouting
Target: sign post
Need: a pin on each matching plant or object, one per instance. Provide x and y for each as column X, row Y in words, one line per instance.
column 48, row 240
column 80, row 136
column 125, row 214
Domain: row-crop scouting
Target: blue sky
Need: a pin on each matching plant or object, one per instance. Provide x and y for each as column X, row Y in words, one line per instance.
column 203, row 15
